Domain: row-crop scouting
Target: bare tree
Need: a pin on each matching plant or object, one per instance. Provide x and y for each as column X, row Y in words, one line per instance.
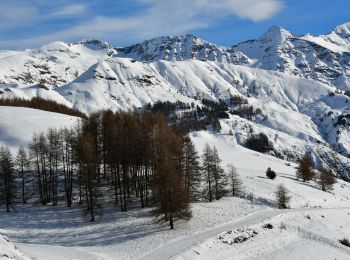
column 326, row 179
column 191, row 170
column 235, row 181
column 6, row 175
column 220, row 179
column 207, row 161
column 215, row 180
column 23, row 163
column 306, row 169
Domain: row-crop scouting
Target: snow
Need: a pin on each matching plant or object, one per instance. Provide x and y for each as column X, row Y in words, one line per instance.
column 18, row 124
column 289, row 77
column 60, row 233
column 9, row 251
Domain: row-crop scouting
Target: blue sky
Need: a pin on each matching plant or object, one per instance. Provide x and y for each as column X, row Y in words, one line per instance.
column 30, row 23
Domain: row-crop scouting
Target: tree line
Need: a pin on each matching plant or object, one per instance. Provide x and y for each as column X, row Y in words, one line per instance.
column 42, row 104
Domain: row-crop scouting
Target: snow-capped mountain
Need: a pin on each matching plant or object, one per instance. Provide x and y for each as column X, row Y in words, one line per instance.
column 292, row 79
column 52, row 65
column 181, row 48
column 325, row 58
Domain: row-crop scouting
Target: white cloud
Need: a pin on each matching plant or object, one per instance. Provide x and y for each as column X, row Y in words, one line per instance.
column 69, row 10
column 159, row 17
column 16, row 13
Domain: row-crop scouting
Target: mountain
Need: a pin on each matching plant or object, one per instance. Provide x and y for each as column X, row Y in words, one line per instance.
column 52, row 65
column 181, row 48
column 325, row 58
column 293, row 81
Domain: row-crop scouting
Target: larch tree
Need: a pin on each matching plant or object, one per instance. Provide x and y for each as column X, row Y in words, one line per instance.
column 220, row 179
column 192, row 170
column 305, row 169
column 326, row 179
column 23, row 163
column 282, row 197
column 207, row 171
column 215, row 180
column 169, row 175
column 234, row 181
column 7, row 176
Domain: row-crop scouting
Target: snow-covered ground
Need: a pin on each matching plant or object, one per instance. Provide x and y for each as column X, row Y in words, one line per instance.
column 18, row 124
column 315, row 223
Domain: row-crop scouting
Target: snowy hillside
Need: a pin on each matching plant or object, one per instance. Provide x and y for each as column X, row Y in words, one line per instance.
column 9, row 251
column 316, row 221
column 285, row 101
column 19, row 124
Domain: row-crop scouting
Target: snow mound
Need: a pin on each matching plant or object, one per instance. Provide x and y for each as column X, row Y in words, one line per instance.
column 9, row 251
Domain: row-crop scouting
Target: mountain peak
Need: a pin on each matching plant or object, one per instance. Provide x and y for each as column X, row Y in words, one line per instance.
column 343, row 30
column 93, row 43
column 182, row 47
column 276, row 35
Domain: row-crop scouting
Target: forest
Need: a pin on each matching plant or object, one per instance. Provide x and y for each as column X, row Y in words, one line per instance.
column 132, row 158
column 129, row 158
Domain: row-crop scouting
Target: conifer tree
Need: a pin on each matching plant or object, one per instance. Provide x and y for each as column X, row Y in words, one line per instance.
column 6, row 176
column 207, row 168
column 306, row 169
column 214, row 175
column 169, row 175
column 282, row 197
column 191, row 170
column 23, row 163
column 235, row 181
column 326, row 179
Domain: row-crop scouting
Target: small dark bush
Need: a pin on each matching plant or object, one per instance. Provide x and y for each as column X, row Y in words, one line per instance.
column 268, row 226
column 270, row 174
column 345, row 242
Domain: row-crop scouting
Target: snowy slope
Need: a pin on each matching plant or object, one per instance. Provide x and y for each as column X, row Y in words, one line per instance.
column 135, row 235
column 286, row 101
column 18, row 124
column 120, row 83
column 10, row 251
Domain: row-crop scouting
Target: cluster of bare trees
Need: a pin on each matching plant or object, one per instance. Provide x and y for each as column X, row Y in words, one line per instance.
column 126, row 157
column 215, row 178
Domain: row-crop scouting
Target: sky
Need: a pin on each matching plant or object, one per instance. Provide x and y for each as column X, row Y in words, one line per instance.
column 32, row 23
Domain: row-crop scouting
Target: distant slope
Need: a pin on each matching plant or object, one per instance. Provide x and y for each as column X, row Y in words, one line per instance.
column 18, row 124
